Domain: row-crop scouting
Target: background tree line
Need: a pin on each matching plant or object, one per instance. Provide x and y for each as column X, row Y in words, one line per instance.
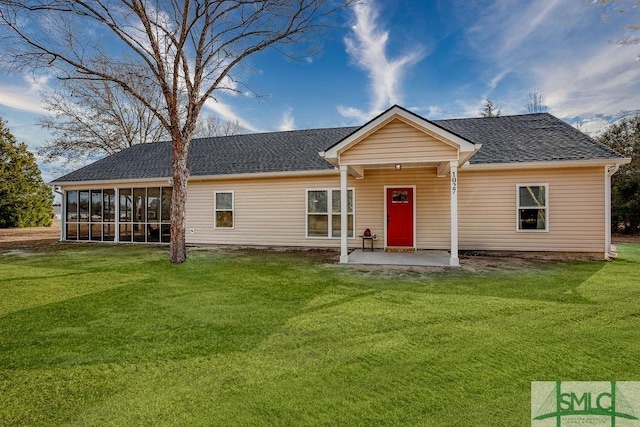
column 624, row 137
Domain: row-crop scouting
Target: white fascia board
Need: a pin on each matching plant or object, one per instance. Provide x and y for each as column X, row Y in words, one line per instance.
column 546, row 164
column 110, row 181
column 283, row 174
column 396, row 112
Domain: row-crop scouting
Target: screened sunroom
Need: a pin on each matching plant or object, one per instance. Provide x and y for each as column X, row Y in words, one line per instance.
column 128, row 214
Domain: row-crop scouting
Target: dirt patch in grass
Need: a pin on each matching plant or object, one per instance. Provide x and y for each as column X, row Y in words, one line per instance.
column 625, row 238
column 23, row 240
column 468, row 263
column 29, row 238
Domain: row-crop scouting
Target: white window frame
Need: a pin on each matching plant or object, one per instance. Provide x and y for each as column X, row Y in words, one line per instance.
column 546, row 208
column 329, row 213
column 215, row 209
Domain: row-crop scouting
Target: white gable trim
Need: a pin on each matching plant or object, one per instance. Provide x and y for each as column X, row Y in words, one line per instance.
column 407, row 117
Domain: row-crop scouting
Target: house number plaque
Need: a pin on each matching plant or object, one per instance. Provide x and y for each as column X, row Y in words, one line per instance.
column 454, row 182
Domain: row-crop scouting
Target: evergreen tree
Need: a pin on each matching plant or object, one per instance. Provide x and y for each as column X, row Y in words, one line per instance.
column 25, row 199
column 489, row 109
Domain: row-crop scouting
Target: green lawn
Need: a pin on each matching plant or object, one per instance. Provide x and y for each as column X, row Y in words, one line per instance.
column 114, row 335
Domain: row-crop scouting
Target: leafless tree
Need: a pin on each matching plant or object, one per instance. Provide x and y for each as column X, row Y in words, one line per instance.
column 215, row 126
column 93, row 118
column 536, row 104
column 489, row 109
column 188, row 50
column 611, row 7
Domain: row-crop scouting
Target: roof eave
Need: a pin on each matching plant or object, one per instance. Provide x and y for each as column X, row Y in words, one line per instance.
column 195, row 178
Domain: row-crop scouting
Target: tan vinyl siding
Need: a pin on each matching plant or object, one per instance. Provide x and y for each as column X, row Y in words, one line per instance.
column 269, row 212
column 487, row 210
column 398, row 142
column 432, row 204
column 272, row 211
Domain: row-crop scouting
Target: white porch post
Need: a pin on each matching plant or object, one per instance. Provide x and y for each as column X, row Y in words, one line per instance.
column 344, row 249
column 116, row 236
column 63, row 216
column 453, row 260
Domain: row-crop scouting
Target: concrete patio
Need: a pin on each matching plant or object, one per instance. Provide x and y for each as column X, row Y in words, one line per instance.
column 427, row 258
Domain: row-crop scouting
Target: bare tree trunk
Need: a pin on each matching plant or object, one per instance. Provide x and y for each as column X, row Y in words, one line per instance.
column 187, row 50
column 178, row 245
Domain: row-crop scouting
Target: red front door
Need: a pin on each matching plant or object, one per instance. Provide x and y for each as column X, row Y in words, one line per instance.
column 400, row 217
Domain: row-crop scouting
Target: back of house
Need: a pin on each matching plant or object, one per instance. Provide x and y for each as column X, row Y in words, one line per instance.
column 510, row 183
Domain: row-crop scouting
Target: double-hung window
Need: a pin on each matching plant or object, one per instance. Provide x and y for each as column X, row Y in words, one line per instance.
column 223, row 207
column 324, row 213
column 533, row 207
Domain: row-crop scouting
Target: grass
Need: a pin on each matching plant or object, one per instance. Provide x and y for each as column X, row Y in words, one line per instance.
column 115, row 335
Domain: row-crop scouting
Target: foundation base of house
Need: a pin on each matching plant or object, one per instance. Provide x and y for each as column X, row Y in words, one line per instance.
column 591, row 256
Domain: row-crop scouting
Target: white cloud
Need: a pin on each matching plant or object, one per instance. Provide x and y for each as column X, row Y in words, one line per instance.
column 355, row 113
column 497, row 79
column 503, row 28
column 561, row 48
column 605, row 83
column 593, row 125
column 287, row 121
column 367, row 47
column 24, row 95
column 225, row 111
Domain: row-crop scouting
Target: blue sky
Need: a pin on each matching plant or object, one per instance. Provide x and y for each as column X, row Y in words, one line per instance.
column 440, row 59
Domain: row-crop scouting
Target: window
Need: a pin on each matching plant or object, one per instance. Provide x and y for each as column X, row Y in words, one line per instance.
column 324, row 213
column 532, row 207
column 109, row 214
column 83, row 227
column 145, row 214
column 223, row 208
column 400, row 196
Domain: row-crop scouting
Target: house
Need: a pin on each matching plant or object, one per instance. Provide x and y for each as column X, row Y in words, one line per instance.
column 511, row 183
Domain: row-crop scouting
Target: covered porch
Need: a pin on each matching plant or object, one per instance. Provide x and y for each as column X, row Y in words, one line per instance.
column 394, row 142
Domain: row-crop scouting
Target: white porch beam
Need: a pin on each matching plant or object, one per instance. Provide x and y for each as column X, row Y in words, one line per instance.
column 443, row 169
column 344, row 249
column 357, row 171
column 453, row 260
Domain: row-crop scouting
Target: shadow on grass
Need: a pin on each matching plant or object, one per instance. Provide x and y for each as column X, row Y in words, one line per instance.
column 225, row 302
column 209, row 305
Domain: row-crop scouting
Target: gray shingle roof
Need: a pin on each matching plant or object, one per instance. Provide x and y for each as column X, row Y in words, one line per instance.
column 526, row 138
column 237, row 154
column 505, row 139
